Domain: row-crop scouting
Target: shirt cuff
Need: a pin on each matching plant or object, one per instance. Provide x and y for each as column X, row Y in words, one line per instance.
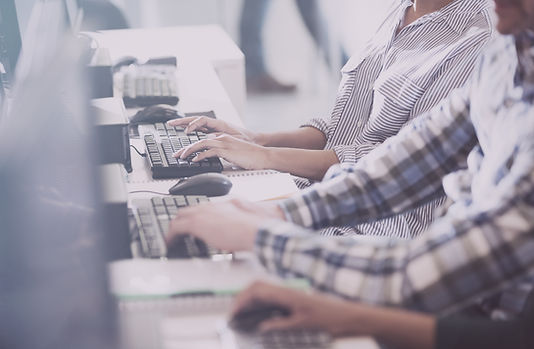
column 271, row 244
column 318, row 123
column 296, row 209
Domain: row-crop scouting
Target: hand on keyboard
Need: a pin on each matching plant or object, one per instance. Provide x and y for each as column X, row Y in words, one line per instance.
column 222, row 225
column 244, row 154
column 211, row 125
column 165, row 142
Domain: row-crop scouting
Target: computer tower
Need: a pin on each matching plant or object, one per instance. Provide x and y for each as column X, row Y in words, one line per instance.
column 112, row 131
column 115, row 211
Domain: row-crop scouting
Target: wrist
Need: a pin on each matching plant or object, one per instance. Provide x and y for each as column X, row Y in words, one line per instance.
column 361, row 321
column 259, row 138
column 267, row 155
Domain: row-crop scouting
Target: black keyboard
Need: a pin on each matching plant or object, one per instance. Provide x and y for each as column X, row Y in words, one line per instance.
column 149, row 222
column 285, row 339
column 149, row 85
column 161, row 145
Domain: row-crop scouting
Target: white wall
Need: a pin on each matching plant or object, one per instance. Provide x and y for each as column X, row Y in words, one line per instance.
column 291, row 54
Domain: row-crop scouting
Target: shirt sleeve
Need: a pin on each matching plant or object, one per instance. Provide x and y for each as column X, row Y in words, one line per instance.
column 474, row 251
column 460, row 332
column 468, row 333
column 402, row 174
column 322, row 124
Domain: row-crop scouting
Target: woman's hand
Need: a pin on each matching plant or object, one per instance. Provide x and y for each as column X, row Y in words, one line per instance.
column 244, row 154
column 209, row 125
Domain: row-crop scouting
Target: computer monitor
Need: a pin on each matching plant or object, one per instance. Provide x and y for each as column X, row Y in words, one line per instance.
column 53, row 249
column 10, row 41
column 74, row 14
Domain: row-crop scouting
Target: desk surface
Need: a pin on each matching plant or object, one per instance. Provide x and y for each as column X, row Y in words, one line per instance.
column 200, row 89
column 206, row 42
column 207, row 46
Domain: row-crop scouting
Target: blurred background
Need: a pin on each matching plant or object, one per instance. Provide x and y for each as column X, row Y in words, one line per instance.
column 306, row 67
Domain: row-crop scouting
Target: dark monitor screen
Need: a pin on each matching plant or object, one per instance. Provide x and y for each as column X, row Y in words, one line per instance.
column 10, row 39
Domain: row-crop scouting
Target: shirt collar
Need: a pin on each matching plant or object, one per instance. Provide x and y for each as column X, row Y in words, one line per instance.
column 458, row 14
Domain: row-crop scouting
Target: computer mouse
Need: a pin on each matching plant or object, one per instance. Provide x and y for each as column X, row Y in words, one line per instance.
column 124, row 62
column 249, row 318
column 155, row 113
column 209, row 184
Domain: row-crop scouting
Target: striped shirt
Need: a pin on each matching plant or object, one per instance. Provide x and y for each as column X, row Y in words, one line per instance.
column 477, row 146
column 396, row 78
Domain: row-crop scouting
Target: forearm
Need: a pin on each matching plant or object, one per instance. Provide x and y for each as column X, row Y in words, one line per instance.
column 400, row 329
column 390, row 275
column 402, row 174
column 303, row 138
column 311, row 164
column 393, row 327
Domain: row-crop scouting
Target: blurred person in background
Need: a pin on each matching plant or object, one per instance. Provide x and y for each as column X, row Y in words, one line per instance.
column 251, row 27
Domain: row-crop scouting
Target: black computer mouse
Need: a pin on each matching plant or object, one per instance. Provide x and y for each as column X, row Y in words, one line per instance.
column 249, row 318
column 124, row 62
column 209, row 184
column 155, row 113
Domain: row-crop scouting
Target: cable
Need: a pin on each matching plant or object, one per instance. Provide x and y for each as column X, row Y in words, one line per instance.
column 147, row 191
column 137, row 151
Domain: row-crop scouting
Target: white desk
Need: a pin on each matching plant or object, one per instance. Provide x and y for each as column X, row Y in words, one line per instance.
column 203, row 53
column 148, row 321
column 192, row 45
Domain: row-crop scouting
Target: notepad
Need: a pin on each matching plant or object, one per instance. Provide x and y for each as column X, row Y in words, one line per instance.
column 261, row 185
column 258, row 185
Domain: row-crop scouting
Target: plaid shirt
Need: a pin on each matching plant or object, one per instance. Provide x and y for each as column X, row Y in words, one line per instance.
column 478, row 147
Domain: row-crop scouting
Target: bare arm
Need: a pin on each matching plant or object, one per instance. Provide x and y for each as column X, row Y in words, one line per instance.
column 402, row 329
column 311, row 164
column 303, row 138
column 301, row 162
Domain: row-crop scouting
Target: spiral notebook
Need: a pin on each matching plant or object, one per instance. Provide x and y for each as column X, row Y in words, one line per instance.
column 261, row 185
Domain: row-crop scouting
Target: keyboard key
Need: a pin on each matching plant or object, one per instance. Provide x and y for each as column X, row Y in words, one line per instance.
column 165, row 165
column 160, row 210
column 157, row 201
column 168, row 201
column 180, row 201
column 154, row 220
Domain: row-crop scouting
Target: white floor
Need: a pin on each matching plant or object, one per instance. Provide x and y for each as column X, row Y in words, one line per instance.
column 269, row 113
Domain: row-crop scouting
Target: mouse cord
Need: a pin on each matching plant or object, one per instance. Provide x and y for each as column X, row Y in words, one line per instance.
column 147, row 191
column 137, row 151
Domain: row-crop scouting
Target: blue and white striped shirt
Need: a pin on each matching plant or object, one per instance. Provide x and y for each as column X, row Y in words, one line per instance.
column 398, row 77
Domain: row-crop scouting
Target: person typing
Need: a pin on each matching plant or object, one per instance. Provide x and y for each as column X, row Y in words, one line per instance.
column 477, row 146
column 422, row 51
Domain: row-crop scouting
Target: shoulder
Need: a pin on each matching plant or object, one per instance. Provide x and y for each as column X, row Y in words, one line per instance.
column 472, row 18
